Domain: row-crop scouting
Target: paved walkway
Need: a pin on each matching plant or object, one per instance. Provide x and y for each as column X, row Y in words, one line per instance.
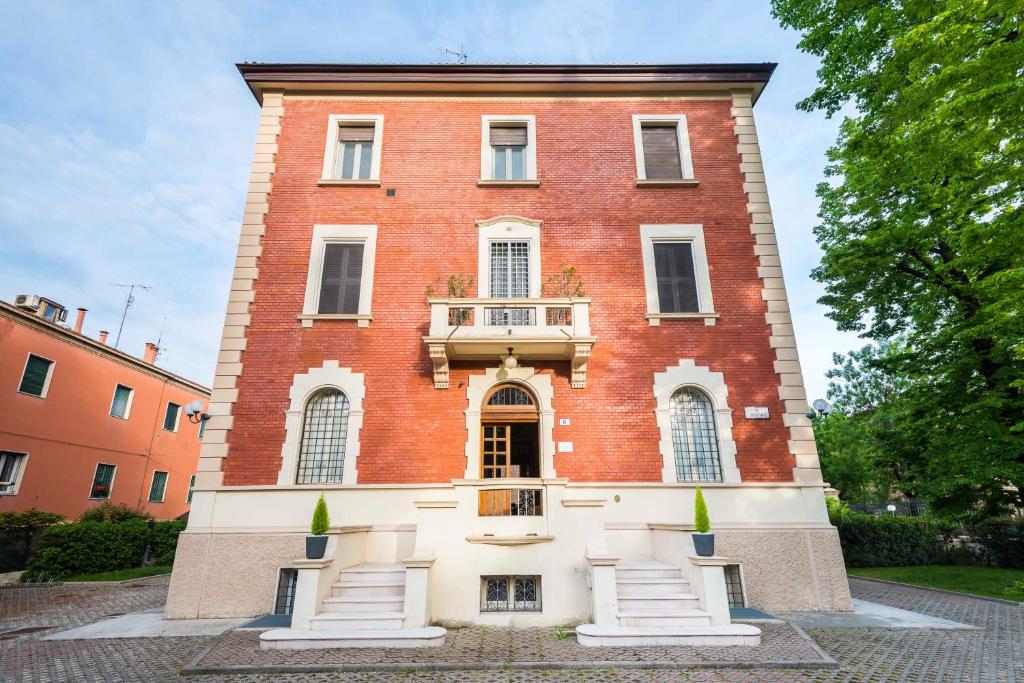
column 994, row 653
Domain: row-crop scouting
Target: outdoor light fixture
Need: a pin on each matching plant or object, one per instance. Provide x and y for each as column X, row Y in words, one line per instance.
column 509, row 362
column 819, row 408
column 194, row 412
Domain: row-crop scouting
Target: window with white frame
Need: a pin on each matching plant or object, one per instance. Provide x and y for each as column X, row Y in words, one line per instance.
column 339, row 281
column 662, row 145
column 158, row 487
column 676, row 274
column 508, row 149
column 353, row 150
column 508, row 268
column 324, row 436
column 103, row 481
column 121, row 404
column 35, row 378
column 171, row 417
column 12, row 466
column 694, row 436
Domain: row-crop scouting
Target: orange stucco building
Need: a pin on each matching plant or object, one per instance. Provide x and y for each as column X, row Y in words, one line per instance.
column 82, row 423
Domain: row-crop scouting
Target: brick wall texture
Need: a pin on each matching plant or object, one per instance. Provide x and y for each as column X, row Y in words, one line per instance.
column 591, row 211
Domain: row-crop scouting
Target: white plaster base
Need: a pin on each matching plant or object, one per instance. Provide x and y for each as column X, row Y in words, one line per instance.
column 288, row 639
column 593, row 635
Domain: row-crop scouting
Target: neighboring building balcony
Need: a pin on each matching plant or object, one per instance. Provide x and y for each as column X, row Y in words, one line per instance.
column 486, row 329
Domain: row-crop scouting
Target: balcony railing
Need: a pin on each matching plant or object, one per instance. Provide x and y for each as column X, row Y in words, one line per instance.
column 511, row 503
column 484, row 329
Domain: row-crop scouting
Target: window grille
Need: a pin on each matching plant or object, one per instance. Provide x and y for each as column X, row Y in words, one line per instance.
column 158, row 487
column 102, row 482
column 694, row 437
column 510, row 594
column 10, row 466
column 286, row 581
column 324, row 433
column 511, row 503
column 734, row 586
column 510, row 396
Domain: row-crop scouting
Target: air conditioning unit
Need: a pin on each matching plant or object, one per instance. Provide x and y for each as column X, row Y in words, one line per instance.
column 28, row 301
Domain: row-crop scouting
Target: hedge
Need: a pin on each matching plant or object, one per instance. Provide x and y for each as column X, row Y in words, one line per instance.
column 1000, row 541
column 91, row 547
column 19, row 535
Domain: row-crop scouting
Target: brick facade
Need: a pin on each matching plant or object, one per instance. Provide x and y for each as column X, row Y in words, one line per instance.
column 591, row 211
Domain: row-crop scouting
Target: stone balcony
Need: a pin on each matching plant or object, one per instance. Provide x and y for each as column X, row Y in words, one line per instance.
column 485, row 329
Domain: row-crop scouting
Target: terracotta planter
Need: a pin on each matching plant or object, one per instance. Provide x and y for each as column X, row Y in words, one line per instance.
column 316, row 546
column 704, row 544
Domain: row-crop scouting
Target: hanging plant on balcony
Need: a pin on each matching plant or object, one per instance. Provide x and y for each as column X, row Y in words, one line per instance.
column 457, row 287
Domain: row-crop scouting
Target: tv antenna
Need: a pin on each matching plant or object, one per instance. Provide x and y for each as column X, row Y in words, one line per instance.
column 459, row 54
column 129, row 300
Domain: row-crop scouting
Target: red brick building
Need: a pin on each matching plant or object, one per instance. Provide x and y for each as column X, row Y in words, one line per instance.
column 501, row 316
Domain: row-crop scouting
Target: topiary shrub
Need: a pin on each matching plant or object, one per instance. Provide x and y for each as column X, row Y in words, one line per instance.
column 321, row 522
column 701, row 522
column 88, row 548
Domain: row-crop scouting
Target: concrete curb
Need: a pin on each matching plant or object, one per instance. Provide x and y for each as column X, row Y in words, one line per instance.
column 939, row 590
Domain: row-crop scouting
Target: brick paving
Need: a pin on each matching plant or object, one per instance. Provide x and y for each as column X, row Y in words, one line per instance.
column 995, row 653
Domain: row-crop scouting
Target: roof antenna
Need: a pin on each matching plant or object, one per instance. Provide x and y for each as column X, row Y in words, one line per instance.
column 127, row 304
column 163, row 323
column 460, row 54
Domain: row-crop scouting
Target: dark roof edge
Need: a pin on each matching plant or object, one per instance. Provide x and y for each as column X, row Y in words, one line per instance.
column 766, row 68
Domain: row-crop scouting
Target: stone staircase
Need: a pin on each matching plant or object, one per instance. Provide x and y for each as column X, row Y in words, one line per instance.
column 366, row 608
column 656, row 607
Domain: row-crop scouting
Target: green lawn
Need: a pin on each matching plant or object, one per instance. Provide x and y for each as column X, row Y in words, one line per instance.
column 121, row 574
column 994, row 582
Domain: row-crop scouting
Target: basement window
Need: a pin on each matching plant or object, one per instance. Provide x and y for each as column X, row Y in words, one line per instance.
column 510, row 594
column 286, row 581
column 734, row 586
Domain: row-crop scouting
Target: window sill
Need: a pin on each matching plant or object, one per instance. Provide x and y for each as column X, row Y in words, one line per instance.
column 334, row 182
column 508, row 183
column 655, row 319
column 682, row 182
column 363, row 320
column 25, row 393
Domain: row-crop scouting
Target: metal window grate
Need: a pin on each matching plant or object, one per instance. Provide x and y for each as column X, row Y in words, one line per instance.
column 103, row 481
column 286, row 582
column 510, row 594
column 511, row 317
column 511, row 503
column 734, row 586
column 510, row 396
column 694, row 437
column 324, row 432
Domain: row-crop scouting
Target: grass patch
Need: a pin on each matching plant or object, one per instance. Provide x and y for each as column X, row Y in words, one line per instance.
column 121, row 574
column 994, row 582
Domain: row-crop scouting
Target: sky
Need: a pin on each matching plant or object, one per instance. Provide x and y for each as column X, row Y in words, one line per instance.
column 126, row 136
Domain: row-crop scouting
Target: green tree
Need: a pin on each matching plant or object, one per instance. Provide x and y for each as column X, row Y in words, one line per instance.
column 922, row 225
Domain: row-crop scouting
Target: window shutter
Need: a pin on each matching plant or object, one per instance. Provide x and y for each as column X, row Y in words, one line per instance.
column 661, row 153
column 34, row 379
column 508, row 135
column 677, row 285
column 341, row 279
column 120, row 407
column 356, row 133
column 171, row 416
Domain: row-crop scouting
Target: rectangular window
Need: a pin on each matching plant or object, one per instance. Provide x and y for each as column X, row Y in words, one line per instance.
column 354, row 157
column 510, row 279
column 734, row 586
column 122, row 403
column 158, row 488
column 171, row 417
column 341, row 278
column 103, row 482
column 11, row 467
column 191, row 488
column 508, row 152
column 286, row 582
column 510, row 594
column 661, row 152
column 35, row 380
column 677, row 283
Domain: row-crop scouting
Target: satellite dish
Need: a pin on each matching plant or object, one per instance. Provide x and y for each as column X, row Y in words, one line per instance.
column 822, row 406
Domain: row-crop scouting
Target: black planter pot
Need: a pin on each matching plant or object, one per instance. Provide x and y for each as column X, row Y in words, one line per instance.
column 316, row 546
column 704, row 544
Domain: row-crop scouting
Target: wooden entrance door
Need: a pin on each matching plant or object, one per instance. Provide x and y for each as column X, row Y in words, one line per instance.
column 495, row 450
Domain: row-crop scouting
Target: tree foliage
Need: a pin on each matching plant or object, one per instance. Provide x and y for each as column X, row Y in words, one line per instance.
column 922, row 228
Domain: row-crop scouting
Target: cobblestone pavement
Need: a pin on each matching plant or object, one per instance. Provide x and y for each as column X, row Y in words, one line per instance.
column 995, row 653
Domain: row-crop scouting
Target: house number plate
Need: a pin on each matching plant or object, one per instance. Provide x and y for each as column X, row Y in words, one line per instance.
column 756, row 412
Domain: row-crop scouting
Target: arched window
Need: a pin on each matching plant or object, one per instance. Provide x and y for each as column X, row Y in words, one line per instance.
column 510, row 395
column 324, row 432
column 694, row 437
column 509, row 403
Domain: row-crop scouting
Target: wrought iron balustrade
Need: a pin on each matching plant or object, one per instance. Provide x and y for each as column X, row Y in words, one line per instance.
column 511, row 503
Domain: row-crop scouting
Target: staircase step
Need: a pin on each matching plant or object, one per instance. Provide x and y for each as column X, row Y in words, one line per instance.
column 633, row 586
column 360, row 576
column 288, row 639
column 646, row 573
column 664, row 617
column 327, row 621
column 364, row 603
column 592, row 635
column 382, row 588
column 666, row 601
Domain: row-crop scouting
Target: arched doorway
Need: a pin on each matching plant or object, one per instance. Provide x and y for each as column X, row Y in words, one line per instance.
column 509, row 436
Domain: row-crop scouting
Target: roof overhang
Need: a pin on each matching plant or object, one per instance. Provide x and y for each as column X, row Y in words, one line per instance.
column 477, row 79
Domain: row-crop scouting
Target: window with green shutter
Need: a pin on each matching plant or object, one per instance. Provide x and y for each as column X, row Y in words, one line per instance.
column 158, row 488
column 341, row 278
column 677, row 284
column 103, row 481
column 122, row 402
column 171, row 417
column 35, row 380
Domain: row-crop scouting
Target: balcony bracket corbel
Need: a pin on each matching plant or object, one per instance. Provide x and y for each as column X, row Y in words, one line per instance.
column 439, row 357
column 580, row 356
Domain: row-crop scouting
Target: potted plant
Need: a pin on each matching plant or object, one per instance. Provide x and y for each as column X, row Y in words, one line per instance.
column 316, row 542
column 703, row 540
